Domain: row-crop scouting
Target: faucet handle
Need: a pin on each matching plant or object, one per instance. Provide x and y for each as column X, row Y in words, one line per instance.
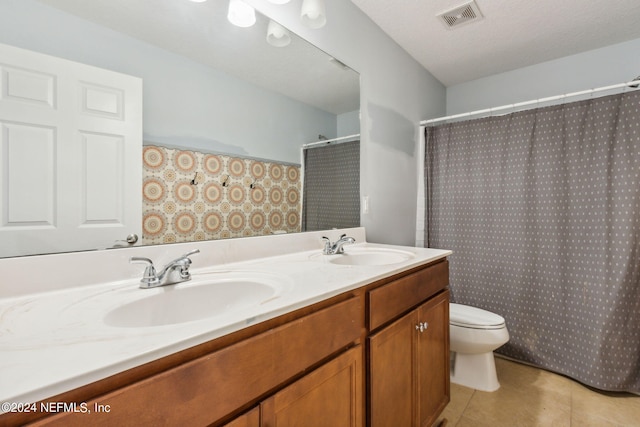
column 184, row 257
column 141, row 260
column 327, row 245
column 149, row 277
column 184, row 261
column 193, row 252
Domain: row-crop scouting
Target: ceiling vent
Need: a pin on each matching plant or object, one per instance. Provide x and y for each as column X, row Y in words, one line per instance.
column 460, row 15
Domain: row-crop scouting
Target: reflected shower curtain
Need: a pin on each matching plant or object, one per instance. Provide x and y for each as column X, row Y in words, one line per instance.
column 542, row 211
column 331, row 187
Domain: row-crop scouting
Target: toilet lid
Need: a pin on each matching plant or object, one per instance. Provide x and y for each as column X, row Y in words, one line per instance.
column 473, row 317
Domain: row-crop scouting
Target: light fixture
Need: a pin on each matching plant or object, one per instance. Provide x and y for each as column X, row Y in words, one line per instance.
column 279, row 1
column 241, row 14
column 313, row 13
column 198, row 1
column 277, row 35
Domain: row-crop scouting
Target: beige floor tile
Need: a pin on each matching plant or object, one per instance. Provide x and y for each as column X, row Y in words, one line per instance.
column 518, row 376
column 586, row 420
column 468, row 422
column 510, row 407
column 460, row 397
column 615, row 409
column 532, row 397
column 528, row 396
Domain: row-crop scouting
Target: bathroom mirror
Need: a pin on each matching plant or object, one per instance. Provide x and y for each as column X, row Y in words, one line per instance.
column 268, row 101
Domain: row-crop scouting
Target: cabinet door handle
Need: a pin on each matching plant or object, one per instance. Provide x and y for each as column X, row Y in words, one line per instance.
column 422, row 326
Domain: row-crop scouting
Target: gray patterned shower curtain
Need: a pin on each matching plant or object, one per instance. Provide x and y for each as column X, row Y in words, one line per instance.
column 542, row 211
column 331, row 186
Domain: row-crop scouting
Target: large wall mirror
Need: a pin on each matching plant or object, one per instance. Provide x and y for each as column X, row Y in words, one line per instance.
column 225, row 112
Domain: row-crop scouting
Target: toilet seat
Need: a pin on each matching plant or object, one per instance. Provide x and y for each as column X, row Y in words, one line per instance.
column 465, row 316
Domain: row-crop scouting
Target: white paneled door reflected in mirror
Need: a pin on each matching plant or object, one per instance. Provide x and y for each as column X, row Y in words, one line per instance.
column 221, row 98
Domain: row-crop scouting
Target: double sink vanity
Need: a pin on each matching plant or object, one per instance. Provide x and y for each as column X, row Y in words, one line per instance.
column 269, row 331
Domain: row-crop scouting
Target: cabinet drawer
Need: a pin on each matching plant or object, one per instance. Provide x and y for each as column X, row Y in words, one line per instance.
column 391, row 300
column 211, row 387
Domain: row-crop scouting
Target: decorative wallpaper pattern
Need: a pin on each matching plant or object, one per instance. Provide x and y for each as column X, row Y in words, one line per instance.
column 192, row 196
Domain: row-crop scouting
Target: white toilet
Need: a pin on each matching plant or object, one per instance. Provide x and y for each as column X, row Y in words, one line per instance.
column 474, row 334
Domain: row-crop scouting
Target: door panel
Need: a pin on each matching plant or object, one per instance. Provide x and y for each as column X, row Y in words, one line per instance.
column 70, row 155
column 29, row 181
column 103, row 187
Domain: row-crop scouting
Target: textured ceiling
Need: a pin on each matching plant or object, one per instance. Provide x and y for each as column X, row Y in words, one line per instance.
column 512, row 34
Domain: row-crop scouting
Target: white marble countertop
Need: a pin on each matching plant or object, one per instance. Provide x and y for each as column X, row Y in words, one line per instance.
column 55, row 341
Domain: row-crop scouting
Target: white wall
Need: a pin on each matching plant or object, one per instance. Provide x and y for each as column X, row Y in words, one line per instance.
column 349, row 123
column 395, row 94
column 186, row 104
column 599, row 67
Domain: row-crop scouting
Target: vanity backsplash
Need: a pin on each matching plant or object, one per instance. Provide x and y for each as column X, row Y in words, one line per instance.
column 194, row 196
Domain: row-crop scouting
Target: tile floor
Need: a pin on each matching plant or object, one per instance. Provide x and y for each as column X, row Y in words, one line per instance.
column 531, row 397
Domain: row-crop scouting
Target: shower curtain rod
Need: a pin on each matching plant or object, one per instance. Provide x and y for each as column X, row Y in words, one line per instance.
column 634, row 83
column 327, row 141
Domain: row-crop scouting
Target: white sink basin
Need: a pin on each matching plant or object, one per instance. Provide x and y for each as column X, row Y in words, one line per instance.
column 366, row 256
column 205, row 296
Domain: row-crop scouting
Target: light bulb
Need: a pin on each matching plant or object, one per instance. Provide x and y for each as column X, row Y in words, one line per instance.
column 277, row 35
column 241, row 14
column 313, row 13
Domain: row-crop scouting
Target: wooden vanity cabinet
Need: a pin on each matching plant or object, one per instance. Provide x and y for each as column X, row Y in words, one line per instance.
column 408, row 368
column 355, row 359
column 408, row 363
column 209, row 389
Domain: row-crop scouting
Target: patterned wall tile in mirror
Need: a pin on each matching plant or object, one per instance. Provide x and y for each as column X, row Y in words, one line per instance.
column 191, row 196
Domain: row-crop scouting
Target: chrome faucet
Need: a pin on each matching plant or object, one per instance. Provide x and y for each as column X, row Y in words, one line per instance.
column 337, row 247
column 174, row 272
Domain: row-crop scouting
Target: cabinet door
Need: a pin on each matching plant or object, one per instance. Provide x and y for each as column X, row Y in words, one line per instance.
column 250, row 419
column 391, row 372
column 432, row 363
column 409, row 367
column 329, row 396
